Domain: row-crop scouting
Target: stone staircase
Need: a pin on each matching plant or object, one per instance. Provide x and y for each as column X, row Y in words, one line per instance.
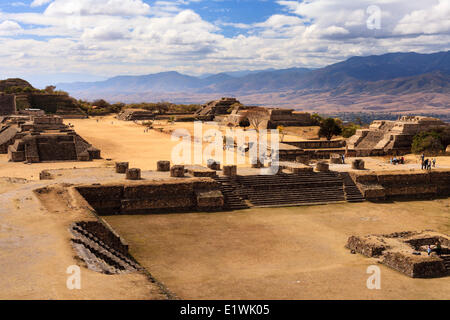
column 446, row 259
column 352, row 193
column 231, row 193
column 99, row 256
column 292, row 189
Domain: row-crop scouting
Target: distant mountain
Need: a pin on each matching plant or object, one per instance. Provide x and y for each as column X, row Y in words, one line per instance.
column 392, row 73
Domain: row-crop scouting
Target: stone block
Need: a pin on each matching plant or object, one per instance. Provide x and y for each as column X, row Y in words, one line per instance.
column 213, row 165
column 209, row 200
column 230, row 171
column 121, row 167
column 322, row 166
column 358, row 164
column 133, row 174
column 84, row 156
column 45, row 175
column 163, row 166
column 177, row 171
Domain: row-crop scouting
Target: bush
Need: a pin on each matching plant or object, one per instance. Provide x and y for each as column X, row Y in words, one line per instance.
column 429, row 142
column 350, row 130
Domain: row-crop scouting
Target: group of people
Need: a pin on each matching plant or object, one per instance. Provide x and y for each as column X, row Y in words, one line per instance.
column 396, row 160
column 427, row 163
column 437, row 249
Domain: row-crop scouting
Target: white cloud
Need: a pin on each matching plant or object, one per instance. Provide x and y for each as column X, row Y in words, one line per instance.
column 9, row 28
column 97, row 7
column 433, row 19
column 110, row 37
column 38, row 3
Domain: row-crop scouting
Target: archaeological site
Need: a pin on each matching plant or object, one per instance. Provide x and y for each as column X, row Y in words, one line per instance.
column 304, row 208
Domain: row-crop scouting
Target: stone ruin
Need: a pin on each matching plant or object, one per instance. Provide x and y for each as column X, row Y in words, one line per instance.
column 146, row 197
column 274, row 117
column 7, row 104
column 44, row 138
column 135, row 115
column 215, row 108
column 381, row 186
column 406, row 252
column 390, row 137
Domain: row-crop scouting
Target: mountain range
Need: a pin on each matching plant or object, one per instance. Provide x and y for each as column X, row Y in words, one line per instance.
column 392, row 74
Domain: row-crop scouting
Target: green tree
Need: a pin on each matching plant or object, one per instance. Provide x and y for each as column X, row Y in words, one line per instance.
column 316, row 119
column 350, row 130
column 429, row 142
column 329, row 127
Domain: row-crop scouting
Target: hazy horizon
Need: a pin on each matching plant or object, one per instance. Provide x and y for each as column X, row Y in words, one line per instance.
column 53, row 41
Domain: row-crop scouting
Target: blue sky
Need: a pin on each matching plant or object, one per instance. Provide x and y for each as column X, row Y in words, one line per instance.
column 50, row 41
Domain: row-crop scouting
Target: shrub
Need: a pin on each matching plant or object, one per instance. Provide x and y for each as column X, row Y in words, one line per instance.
column 429, row 142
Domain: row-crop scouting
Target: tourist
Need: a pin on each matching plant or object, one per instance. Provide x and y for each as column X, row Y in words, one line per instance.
column 425, row 164
column 429, row 250
column 390, row 161
column 395, row 160
column 343, row 158
column 434, row 162
column 402, row 161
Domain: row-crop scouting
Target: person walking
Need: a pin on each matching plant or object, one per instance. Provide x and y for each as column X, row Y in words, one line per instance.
column 434, row 162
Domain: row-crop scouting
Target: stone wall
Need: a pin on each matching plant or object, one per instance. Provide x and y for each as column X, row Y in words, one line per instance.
column 402, row 251
column 7, row 104
column 318, row 144
column 156, row 196
column 379, row 186
column 34, row 148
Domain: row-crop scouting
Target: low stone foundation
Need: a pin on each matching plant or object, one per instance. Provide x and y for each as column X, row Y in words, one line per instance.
column 190, row 194
column 403, row 185
column 406, row 252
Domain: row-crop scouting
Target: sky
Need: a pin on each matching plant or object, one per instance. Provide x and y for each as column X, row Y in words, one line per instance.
column 52, row 41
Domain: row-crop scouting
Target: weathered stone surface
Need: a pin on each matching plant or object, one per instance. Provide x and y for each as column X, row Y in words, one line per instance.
column 84, row 156
column 335, row 158
column 322, row 166
column 358, row 164
column 133, row 174
column 172, row 195
column 213, row 165
column 177, row 171
column 295, row 167
column 163, row 166
column 367, row 246
column 230, row 171
column 382, row 185
column 33, row 139
column 45, row 175
column 405, row 252
column 122, row 167
column 209, row 200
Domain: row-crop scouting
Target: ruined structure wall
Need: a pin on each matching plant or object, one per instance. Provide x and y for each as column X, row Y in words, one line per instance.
column 318, row 144
column 159, row 196
column 7, row 104
column 412, row 185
